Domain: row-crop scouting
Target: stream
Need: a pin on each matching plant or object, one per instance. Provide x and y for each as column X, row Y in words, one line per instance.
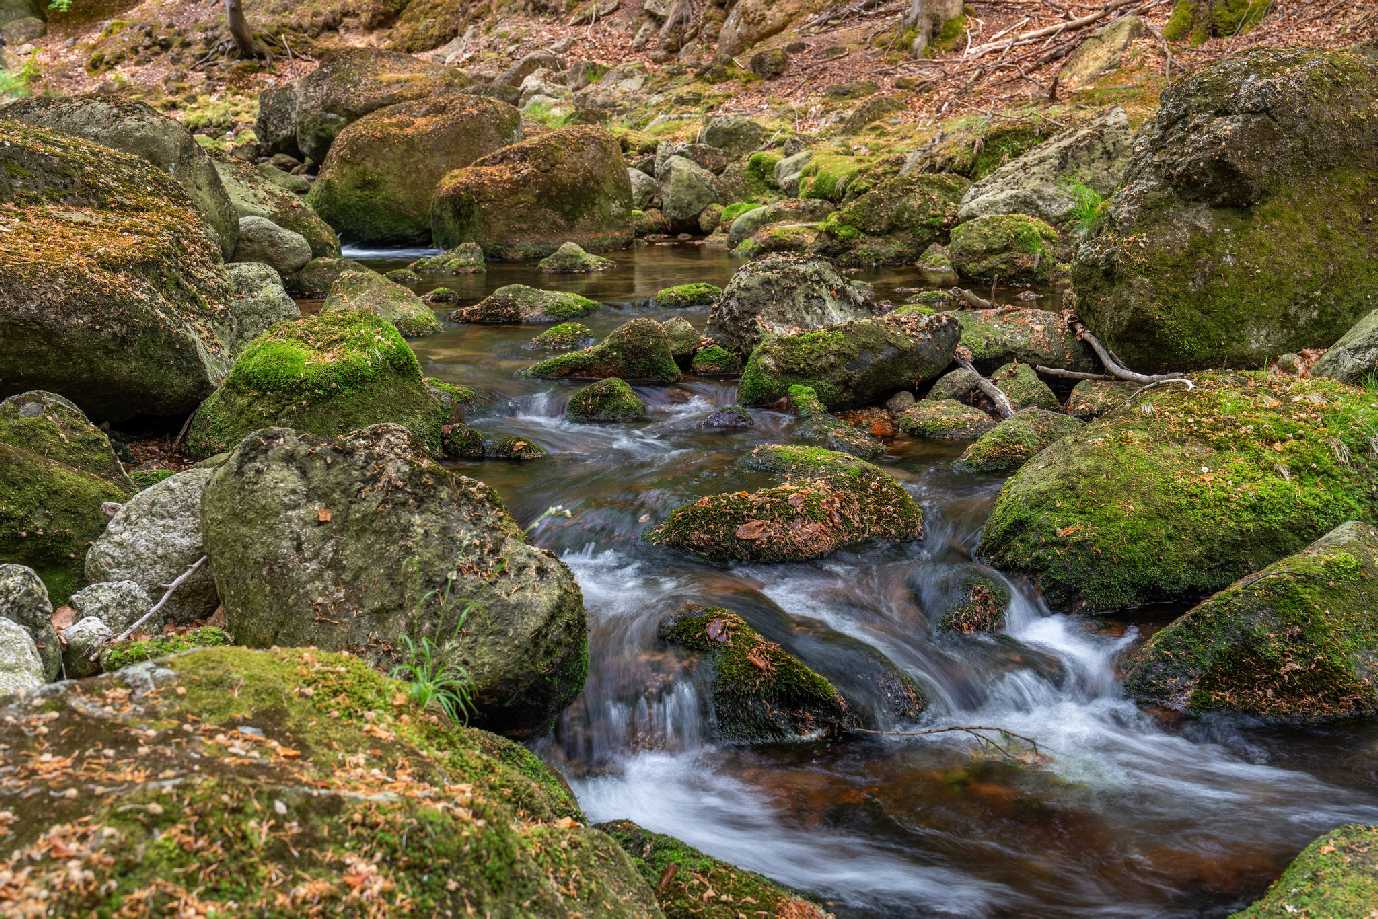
column 1131, row 815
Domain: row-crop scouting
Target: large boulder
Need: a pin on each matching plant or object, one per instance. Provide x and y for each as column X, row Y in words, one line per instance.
column 57, row 471
column 996, row 337
column 326, row 374
column 639, row 351
column 781, row 294
column 140, row 130
column 262, row 241
column 352, row 82
column 24, row 601
column 517, row 304
column 254, row 194
column 1335, row 877
column 258, row 302
column 1354, row 358
column 1189, row 491
column 153, row 539
column 824, row 501
column 1244, row 228
column 377, row 181
column 526, row 199
column 364, row 543
column 1051, row 180
column 1294, row 642
column 362, row 289
column 686, row 188
column 21, row 669
column 894, row 222
column 112, row 290
column 386, row 806
column 851, row 364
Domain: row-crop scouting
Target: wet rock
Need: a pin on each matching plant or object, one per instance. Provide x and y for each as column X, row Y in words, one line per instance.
column 606, row 400
column 761, row 693
column 851, row 364
column 24, row 601
column 998, row 336
column 296, row 526
column 141, row 131
column 112, row 290
column 570, row 258
column 825, row 501
column 298, row 711
column 1013, row 248
column 784, row 293
column 821, row 429
column 944, row 419
column 1091, row 399
column 466, row 258
column 638, row 351
column 1354, row 358
column 894, row 222
column 1337, row 875
column 21, row 669
column 680, row 296
column 1294, row 642
column 977, row 602
column 1016, row 440
column 1207, row 484
column 261, row 240
column 960, row 384
column 729, row 418
column 376, row 183
column 253, row 193
column 81, row 644
column 566, row 336
column 325, row 375
column 364, row 290
column 153, row 539
column 1024, row 388
column 118, row 604
column 568, row 185
column 516, row 304
column 686, row 188
column 1242, row 231
column 258, row 301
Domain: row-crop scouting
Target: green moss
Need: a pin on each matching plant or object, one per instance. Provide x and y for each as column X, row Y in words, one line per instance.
column 638, row 350
column 949, row 35
column 125, row 653
column 715, row 360
column 1200, row 20
column 1188, row 492
column 1009, row 247
column 1335, row 877
column 697, row 293
column 514, row 304
column 760, row 171
column 980, row 605
column 564, row 336
column 896, row 220
column 362, row 289
column 944, row 419
column 326, row 375
column 818, row 427
column 1016, row 440
column 735, row 210
column 1024, row 388
column 610, row 399
column 147, row 478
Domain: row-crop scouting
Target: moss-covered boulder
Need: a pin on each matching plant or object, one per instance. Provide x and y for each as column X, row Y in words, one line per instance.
column 818, row 427
column 1013, row 248
column 606, row 400
column 516, row 304
column 465, row 258
column 824, row 501
column 1294, row 642
column 1016, row 440
column 944, row 419
column 639, row 351
column 254, row 194
column 996, row 337
column 140, row 130
column 1335, row 877
column 1024, row 388
column 784, row 293
column 692, row 885
column 112, row 290
column 715, row 360
column 352, row 82
column 571, row 258
column 376, row 183
column 1093, row 398
column 852, row 364
column 976, row 601
column 367, row 291
column 364, row 543
column 760, row 692
column 1243, row 230
column 1188, row 492
column 696, row 293
column 47, row 424
column 897, row 220
column 326, row 374
column 377, row 804
column 526, row 199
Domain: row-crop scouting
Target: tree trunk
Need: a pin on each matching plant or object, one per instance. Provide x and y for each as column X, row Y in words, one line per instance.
column 239, row 29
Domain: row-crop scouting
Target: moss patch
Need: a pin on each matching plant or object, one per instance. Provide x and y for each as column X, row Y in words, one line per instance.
column 639, row 350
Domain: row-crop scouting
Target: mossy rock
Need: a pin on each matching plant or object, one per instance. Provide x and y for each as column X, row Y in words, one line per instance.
column 253, row 194
column 1013, row 248
column 944, row 419
column 715, row 360
column 313, row 281
column 571, row 258
column 996, row 337
column 817, row 427
column 1200, row 21
column 112, row 289
column 1294, row 642
column 974, row 146
column 797, row 238
column 49, row 425
column 326, row 374
column 369, row 292
column 182, row 822
column 1016, row 440
column 376, row 183
column 606, row 400
column 1091, row 399
column 638, row 351
column 680, row 296
column 853, row 363
column 897, row 220
column 565, row 336
column 525, row 200
column 136, row 651
column 978, row 604
column 1024, row 388
column 466, row 258
column 515, row 304
column 825, row 501
column 784, row 293
column 1335, row 877
column 1192, row 490
column 1243, row 230
column 692, row 885
column 761, row 693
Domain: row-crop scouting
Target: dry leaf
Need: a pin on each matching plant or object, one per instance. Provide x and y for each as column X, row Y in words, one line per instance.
column 752, row 529
column 324, row 516
column 63, row 616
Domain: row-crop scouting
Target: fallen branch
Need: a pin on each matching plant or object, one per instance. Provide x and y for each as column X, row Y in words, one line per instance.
column 1070, row 374
column 971, row 299
column 977, row 731
column 1061, row 27
column 1119, row 370
column 1003, row 407
column 171, row 589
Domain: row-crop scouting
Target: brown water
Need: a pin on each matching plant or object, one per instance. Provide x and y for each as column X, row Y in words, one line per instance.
column 1129, row 817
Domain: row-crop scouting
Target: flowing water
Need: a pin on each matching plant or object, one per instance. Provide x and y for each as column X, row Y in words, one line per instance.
column 1129, row 816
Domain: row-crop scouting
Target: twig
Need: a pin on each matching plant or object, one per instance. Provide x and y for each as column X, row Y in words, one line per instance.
column 1036, row 34
column 1003, row 407
column 171, row 589
column 972, row 729
column 1070, row 374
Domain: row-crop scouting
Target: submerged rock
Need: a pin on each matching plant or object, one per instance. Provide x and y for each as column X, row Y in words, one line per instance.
column 364, row 543
column 356, row 290
column 1335, row 877
column 606, row 400
column 825, row 501
column 1188, row 492
column 1294, row 642
column 515, row 304
column 784, row 293
column 1016, row 440
column 638, row 351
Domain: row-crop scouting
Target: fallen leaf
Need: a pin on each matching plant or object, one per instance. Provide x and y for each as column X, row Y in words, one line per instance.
column 324, row 516
column 63, row 616
column 717, row 630
column 752, row 529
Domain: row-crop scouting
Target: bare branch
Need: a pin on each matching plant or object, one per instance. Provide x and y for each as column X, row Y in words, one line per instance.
column 171, row 589
column 978, row 731
column 1003, row 407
